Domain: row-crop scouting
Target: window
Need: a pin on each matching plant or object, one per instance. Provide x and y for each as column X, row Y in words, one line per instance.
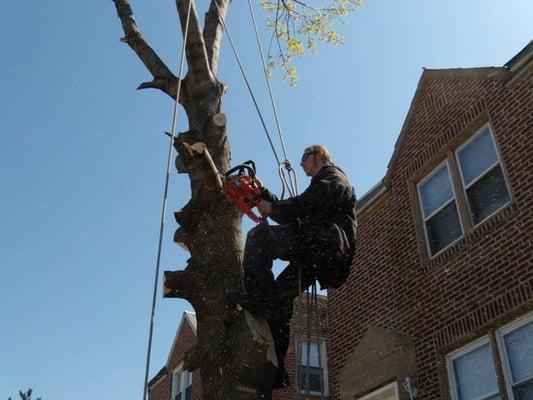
column 310, row 364
column 439, row 210
column 181, row 385
column 516, row 348
column 389, row 392
column 472, row 373
column 462, row 192
column 482, row 176
column 472, row 369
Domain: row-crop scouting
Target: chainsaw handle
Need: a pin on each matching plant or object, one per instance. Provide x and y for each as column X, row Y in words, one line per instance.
column 248, row 165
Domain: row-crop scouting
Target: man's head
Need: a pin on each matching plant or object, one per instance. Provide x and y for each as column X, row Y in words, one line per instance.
column 314, row 158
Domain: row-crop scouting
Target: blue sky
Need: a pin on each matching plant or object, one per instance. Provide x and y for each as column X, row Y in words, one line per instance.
column 83, row 159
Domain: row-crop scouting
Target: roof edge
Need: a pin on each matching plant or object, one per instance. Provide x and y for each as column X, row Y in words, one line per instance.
column 521, row 58
column 371, row 196
column 188, row 317
column 158, row 377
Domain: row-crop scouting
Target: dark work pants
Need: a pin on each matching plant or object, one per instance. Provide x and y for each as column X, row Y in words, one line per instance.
column 275, row 297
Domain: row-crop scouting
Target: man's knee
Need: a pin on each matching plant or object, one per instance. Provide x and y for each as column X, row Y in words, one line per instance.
column 257, row 236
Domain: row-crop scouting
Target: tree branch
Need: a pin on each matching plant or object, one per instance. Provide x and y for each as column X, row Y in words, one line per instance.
column 214, row 29
column 195, row 50
column 164, row 79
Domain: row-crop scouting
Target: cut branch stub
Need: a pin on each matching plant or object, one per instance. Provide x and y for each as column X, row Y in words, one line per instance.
column 205, row 169
column 167, row 85
column 193, row 358
column 219, row 120
column 187, row 217
column 182, row 239
column 179, row 284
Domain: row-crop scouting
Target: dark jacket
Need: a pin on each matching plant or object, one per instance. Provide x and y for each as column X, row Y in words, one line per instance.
column 326, row 224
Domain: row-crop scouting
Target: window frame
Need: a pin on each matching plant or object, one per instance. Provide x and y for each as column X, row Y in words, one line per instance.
column 499, row 354
column 450, row 357
column 381, row 390
column 182, row 374
column 424, row 219
column 502, row 350
column 448, row 154
column 462, row 184
column 323, row 361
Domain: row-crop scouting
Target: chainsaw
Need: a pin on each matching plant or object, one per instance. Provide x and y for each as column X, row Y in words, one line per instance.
column 244, row 189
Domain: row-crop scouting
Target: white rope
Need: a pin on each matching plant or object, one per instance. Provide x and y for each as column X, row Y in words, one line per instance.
column 164, row 207
column 297, row 336
column 293, row 182
column 261, row 118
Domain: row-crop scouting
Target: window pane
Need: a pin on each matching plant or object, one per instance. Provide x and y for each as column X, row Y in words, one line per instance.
column 477, row 156
column 313, row 354
column 443, row 228
column 475, row 375
column 519, row 346
column 188, row 393
column 176, row 381
column 524, row 391
column 188, row 378
column 314, row 379
column 436, row 191
column 487, row 195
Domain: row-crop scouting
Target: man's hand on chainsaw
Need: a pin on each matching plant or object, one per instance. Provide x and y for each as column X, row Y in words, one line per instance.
column 264, row 207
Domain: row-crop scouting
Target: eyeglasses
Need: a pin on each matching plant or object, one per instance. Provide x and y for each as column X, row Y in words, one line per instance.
column 306, row 155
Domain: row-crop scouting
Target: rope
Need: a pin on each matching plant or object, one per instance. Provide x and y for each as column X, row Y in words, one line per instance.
column 308, row 340
column 319, row 343
column 297, row 334
column 312, row 322
column 254, row 100
column 164, row 206
column 287, row 164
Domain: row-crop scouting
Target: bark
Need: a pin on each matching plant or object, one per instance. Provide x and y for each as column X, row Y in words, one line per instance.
column 213, row 30
column 235, row 350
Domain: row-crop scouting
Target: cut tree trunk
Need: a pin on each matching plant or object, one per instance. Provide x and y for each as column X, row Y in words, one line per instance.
column 235, row 351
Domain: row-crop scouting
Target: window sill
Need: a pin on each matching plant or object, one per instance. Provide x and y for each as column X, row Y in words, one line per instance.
column 461, row 245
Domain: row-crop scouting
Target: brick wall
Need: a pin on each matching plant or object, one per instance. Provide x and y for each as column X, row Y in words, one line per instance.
column 484, row 279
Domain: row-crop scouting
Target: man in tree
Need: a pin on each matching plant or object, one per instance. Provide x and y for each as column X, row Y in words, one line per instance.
column 316, row 234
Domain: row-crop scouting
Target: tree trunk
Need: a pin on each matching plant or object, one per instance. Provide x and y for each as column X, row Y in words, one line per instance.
column 235, row 351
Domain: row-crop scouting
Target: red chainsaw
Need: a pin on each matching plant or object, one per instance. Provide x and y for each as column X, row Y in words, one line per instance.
column 244, row 189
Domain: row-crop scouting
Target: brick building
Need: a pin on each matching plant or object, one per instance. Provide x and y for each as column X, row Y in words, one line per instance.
column 173, row 383
column 439, row 304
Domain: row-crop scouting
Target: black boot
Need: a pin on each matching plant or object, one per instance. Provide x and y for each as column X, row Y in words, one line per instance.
column 253, row 306
column 282, row 379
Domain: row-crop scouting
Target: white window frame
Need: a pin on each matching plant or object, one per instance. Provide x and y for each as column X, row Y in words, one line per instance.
column 425, row 219
column 323, row 361
column 481, row 175
column 381, row 391
column 182, row 373
column 460, row 352
column 503, row 351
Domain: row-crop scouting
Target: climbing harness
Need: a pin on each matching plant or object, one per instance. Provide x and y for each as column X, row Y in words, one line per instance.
column 244, row 189
column 164, row 206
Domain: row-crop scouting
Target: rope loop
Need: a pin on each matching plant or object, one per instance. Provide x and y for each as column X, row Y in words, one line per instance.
column 288, row 165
